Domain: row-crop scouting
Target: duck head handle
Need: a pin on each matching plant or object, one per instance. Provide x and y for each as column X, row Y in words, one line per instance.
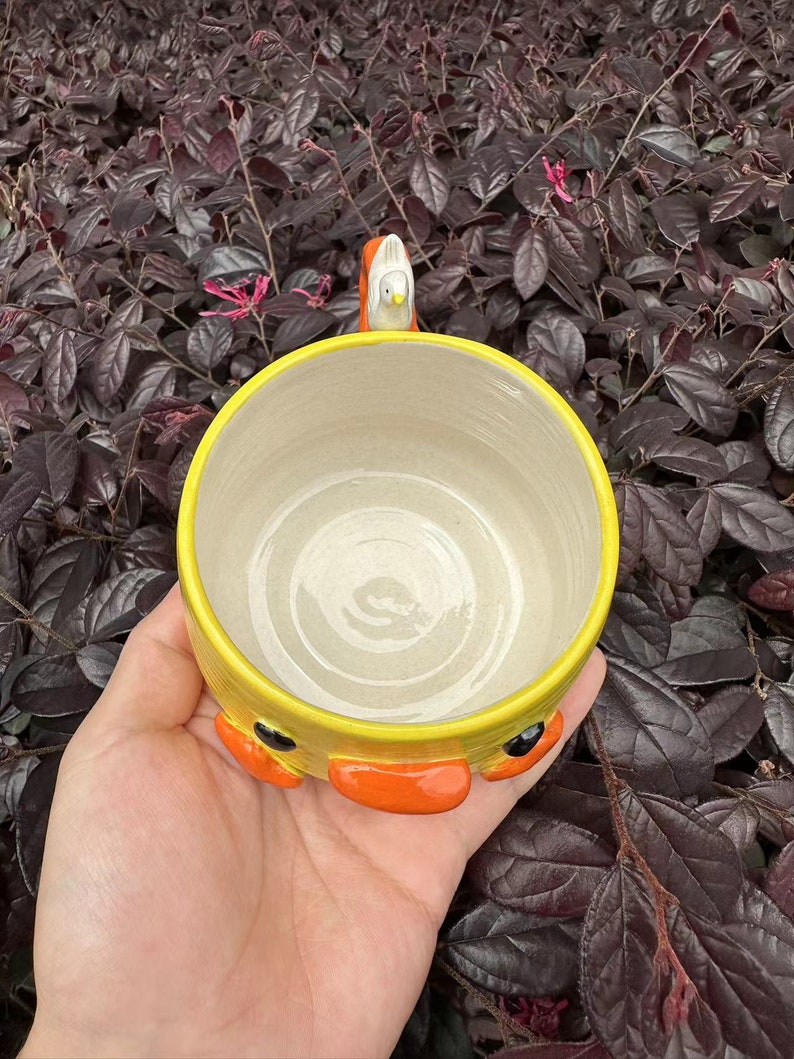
column 386, row 287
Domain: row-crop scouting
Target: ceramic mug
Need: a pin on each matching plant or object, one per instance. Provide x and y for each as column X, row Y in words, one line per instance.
column 397, row 550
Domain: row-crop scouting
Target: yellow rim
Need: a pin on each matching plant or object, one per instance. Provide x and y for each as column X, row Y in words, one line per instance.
column 504, row 710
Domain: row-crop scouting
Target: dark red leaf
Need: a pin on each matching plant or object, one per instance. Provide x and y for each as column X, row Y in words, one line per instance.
column 754, row 518
column 652, row 733
column 19, row 491
column 779, row 714
column 540, row 865
column 731, row 716
column 222, row 151
column 53, row 686
column 668, row 544
column 59, row 366
column 514, row 954
column 779, row 426
column 705, row 649
column 677, row 218
column 110, row 364
column 301, row 106
column 736, row 819
column 774, row 590
column 54, row 460
column 429, row 182
column 689, row 856
column 31, row 817
column 530, row 262
column 734, row 199
column 631, row 514
column 779, row 883
column 703, row 397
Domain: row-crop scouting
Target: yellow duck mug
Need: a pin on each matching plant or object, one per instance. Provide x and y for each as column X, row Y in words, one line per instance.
column 397, row 550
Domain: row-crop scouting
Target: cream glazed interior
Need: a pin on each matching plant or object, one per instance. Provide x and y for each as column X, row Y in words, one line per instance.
column 398, row 532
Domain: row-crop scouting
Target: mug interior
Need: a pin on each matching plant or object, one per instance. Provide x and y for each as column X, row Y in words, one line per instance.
column 398, row 531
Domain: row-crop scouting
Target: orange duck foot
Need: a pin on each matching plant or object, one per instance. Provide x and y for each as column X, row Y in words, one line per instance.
column 402, row 788
column 253, row 757
column 512, row 765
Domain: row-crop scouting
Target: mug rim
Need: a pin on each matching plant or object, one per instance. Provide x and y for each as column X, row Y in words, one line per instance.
column 556, row 676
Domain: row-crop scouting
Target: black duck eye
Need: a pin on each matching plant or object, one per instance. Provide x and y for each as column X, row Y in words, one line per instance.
column 521, row 744
column 272, row 738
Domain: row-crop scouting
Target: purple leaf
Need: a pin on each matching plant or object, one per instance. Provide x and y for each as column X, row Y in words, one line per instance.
column 637, row 627
column 731, row 716
column 668, row 544
column 19, row 491
column 97, row 662
column 677, row 219
column 53, row 459
column 59, row 367
column 63, row 576
column 131, row 212
column 222, row 151
column 514, row 954
column 110, row 364
column 631, row 514
column 779, row 426
column 754, row 518
column 561, row 341
column 578, row 795
column 429, row 182
column 642, row 74
column 269, row 173
column 696, row 989
column 705, row 649
column 644, row 420
column 779, row 715
column 435, row 289
column 209, row 341
column 536, row 864
column 689, row 856
column 779, row 883
column 734, row 199
column 671, row 144
column 299, row 330
column 574, row 248
column 530, row 262
column 736, row 819
column 111, row 609
column 81, row 227
column 301, row 106
column 53, row 686
column 689, row 456
column 624, row 212
column 650, row 731
column 705, row 518
column 31, row 817
column 703, row 397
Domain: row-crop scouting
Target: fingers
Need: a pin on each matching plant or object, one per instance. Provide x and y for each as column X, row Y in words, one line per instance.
column 489, row 803
column 156, row 683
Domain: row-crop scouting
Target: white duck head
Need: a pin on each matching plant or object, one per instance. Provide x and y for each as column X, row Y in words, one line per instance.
column 390, row 287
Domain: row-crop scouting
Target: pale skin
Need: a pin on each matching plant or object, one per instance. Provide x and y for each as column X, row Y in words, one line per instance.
column 186, row 909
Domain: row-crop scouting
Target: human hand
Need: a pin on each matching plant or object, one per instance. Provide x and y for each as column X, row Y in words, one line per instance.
column 186, row 909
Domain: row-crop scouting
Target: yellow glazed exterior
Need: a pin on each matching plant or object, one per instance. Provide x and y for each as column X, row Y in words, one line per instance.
column 247, row 696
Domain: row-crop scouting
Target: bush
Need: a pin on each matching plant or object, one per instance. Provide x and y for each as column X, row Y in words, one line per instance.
column 639, row 903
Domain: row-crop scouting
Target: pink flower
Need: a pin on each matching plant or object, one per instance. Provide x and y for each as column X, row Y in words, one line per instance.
column 314, row 301
column 557, row 174
column 246, row 303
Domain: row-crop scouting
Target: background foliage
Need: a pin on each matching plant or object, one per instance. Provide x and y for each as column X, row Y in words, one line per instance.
column 640, row 902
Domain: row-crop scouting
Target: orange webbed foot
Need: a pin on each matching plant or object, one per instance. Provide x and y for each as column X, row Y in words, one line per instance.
column 253, row 757
column 402, row 788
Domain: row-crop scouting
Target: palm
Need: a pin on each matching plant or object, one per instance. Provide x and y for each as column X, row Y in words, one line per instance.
column 226, row 917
